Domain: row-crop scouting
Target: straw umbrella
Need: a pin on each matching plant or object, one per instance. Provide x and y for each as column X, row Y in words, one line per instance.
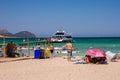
column 4, row 43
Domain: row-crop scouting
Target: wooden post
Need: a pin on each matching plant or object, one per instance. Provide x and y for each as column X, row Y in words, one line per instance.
column 4, row 43
column 28, row 47
column 48, row 41
column 38, row 41
column 44, row 43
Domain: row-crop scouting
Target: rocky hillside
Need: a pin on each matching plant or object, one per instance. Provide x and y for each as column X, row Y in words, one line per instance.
column 25, row 34
column 22, row 34
column 5, row 32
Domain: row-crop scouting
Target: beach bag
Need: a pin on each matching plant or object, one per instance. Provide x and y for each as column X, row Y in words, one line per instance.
column 47, row 53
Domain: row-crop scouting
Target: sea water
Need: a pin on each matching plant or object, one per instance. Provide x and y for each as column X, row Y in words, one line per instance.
column 81, row 44
column 105, row 44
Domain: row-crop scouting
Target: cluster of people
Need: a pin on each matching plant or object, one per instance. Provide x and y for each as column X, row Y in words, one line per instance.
column 87, row 59
column 95, row 60
column 11, row 50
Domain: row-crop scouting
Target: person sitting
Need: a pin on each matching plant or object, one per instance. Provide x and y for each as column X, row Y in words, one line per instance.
column 14, row 53
column 87, row 59
column 103, row 60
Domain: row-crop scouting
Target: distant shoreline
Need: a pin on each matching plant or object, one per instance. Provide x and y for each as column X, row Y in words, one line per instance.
column 73, row 37
column 98, row 37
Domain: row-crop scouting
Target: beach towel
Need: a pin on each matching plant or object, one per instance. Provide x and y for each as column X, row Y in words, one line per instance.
column 80, row 62
column 110, row 55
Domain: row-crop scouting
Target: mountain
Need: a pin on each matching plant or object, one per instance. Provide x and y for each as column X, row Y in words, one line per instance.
column 21, row 34
column 25, row 34
column 5, row 32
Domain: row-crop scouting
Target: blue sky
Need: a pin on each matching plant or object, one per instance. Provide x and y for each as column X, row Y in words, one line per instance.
column 83, row 18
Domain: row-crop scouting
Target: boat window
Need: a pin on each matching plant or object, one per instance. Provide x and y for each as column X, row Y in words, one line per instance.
column 59, row 33
column 68, row 37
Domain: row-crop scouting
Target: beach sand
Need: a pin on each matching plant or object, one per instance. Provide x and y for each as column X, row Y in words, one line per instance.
column 57, row 69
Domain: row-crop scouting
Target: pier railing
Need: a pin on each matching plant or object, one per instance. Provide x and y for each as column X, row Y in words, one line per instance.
column 27, row 47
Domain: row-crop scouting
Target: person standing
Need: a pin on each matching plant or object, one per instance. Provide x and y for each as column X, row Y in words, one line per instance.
column 68, row 46
column 52, row 50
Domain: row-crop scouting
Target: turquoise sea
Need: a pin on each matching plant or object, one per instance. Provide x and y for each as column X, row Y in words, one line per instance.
column 106, row 44
column 82, row 44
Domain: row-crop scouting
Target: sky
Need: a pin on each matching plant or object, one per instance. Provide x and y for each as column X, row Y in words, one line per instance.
column 82, row 18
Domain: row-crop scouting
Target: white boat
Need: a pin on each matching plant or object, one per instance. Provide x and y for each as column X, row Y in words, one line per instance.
column 61, row 36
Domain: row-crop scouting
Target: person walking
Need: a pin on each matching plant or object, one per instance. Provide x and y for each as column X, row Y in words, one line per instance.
column 68, row 46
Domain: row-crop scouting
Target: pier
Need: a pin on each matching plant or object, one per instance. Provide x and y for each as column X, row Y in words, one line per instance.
column 27, row 45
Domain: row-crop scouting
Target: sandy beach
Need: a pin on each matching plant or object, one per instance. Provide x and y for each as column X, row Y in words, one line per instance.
column 57, row 69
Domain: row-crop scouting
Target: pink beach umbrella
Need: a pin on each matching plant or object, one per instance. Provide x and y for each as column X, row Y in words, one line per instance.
column 95, row 52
